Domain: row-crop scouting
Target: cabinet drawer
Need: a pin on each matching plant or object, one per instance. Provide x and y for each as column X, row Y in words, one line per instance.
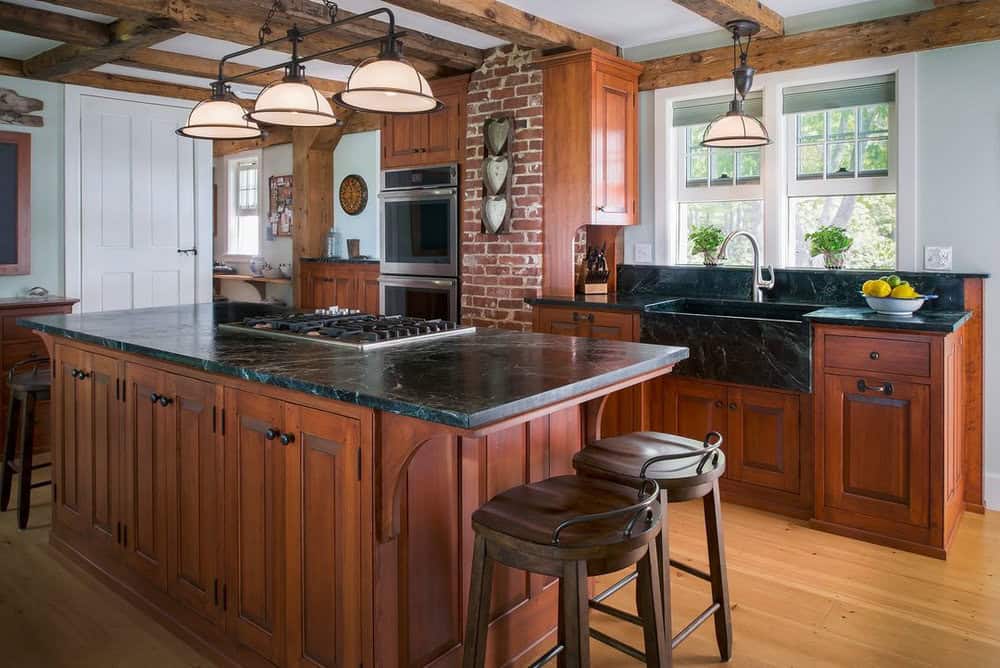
column 878, row 355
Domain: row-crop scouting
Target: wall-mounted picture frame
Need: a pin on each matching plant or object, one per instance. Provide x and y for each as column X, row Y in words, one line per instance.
column 15, row 203
column 279, row 215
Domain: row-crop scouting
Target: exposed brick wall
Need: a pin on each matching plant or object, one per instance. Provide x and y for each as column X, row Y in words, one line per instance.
column 500, row 270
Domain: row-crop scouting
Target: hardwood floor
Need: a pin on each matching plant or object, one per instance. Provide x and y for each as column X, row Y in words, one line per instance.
column 800, row 598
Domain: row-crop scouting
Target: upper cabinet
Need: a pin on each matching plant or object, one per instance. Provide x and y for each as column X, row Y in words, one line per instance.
column 593, row 179
column 428, row 139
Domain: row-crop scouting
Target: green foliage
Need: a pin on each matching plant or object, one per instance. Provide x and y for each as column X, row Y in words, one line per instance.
column 705, row 238
column 869, row 219
column 728, row 216
column 828, row 239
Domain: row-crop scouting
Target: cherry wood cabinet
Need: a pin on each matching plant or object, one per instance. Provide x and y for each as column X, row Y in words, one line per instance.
column 890, row 432
column 428, row 139
column 351, row 285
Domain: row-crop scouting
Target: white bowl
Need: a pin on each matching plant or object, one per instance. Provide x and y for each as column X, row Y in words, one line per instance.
column 897, row 306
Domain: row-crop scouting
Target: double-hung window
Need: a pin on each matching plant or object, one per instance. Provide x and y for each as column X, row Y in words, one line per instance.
column 841, row 169
column 720, row 187
column 243, row 230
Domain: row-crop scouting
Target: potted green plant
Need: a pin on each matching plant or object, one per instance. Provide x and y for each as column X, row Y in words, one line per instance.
column 832, row 243
column 706, row 239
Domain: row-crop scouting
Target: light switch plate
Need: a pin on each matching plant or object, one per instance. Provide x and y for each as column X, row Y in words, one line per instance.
column 644, row 253
column 937, row 258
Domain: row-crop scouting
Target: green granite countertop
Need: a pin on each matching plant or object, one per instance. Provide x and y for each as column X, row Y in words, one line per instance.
column 862, row 316
column 463, row 381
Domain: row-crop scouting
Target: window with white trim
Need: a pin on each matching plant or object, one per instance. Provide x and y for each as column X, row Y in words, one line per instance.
column 243, row 229
column 717, row 187
column 841, row 169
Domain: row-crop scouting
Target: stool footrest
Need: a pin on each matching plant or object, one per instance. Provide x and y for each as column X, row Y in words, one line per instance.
column 16, row 468
column 614, row 589
column 690, row 628
column 615, row 612
column 548, row 656
column 44, row 483
column 618, row 645
column 691, row 570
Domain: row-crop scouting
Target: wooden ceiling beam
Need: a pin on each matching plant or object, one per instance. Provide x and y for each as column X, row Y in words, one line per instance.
column 11, row 67
column 963, row 23
column 194, row 66
column 721, row 12
column 124, row 35
column 275, row 135
column 52, row 25
column 507, row 23
column 142, row 86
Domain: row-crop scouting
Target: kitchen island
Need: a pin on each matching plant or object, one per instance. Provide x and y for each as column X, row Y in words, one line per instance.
column 280, row 502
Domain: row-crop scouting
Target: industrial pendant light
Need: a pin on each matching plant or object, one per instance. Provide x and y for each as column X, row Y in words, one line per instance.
column 388, row 84
column 219, row 117
column 292, row 102
column 735, row 128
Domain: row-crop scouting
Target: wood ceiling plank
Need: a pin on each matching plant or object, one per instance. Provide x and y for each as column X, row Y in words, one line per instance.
column 722, row 11
column 963, row 23
column 125, row 35
column 506, row 22
column 176, row 63
column 52, row 25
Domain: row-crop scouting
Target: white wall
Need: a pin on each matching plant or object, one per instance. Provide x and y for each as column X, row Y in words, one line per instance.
column 958, row 189
column 358, row 153
column 47, row 188
column 958, row 125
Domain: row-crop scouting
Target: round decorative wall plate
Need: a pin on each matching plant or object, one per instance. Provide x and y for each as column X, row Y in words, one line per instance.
column 353, row 194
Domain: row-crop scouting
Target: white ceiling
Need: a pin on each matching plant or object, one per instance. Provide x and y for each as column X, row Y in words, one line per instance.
column 21, row 47
column 62, row 10
column 432, row 26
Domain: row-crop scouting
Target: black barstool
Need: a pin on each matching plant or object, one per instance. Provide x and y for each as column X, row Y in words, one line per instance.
column 27, row 388
column 570, row 527
column 684, row 469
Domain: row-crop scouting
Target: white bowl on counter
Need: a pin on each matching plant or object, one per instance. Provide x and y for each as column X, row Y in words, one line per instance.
column 897, row 306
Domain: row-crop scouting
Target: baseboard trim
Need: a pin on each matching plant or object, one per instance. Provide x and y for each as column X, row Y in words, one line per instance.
column 991, row 491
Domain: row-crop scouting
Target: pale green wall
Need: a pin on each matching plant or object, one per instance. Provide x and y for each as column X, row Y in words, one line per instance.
column 47, row 175
column 358, row 153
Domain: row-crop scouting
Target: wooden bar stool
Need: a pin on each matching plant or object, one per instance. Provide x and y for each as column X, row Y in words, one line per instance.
column 684, row 469
column 570, row 527
column 27, row 388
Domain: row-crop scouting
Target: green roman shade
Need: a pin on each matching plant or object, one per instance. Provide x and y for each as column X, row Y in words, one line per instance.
column 837, row 94
column 706, row 110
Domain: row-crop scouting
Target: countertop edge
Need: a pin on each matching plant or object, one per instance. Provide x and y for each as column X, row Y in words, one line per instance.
column 905, row 323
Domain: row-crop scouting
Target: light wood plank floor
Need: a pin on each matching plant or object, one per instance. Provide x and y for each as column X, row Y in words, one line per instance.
column 800, row 598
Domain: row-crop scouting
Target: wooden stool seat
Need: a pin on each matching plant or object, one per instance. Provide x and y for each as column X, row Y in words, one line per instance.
column 27, row 388
column 570, row 527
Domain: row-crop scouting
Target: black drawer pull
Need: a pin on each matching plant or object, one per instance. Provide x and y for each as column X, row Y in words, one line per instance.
column 884, row 388
column 75, row 373
column 718, row 404
column 287, row 438
column 271, row 434
column 165, row 401
column 873, row 354
column 154, row 398
column 732, row 405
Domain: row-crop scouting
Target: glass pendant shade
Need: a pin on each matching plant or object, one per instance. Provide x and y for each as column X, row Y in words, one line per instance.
column 388, row 85
column 219, row 117
column 292, row 103
column 735, row 129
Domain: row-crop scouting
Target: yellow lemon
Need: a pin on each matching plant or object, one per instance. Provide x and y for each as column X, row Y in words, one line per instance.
column 867, row 287
column 880, row 289
column 904, row 292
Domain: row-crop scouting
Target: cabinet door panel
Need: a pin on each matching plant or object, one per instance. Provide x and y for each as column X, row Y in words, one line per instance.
column 764, row 448
column 443, row 133
column 194, row 484
column 693, row 409
column 149, row 435
column 324, row 539
column 255, row 523
column 72, row 440
column 614, row 149
column 368, row 294
column 558, row 321
column 877, row 450
column 104, row 418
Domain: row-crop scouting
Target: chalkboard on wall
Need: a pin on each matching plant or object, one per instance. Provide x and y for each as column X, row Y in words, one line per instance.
column 15, row 213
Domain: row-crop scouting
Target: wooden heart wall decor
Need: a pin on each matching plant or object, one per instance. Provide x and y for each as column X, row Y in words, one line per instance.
column 498, row 171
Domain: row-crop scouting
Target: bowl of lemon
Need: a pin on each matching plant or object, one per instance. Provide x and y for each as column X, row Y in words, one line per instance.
column 890, row 295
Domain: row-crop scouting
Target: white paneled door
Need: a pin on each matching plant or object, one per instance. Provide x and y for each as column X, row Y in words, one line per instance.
column 139, row 205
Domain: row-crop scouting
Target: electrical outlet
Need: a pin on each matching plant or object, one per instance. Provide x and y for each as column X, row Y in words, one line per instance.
column 644, row 253
column 937, row 258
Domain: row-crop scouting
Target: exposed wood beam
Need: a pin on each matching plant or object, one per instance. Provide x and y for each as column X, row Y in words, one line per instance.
column 176, row 63
column 217, row 18
column 418, row 44
column 11, row 67
column 963, row 23
column 52, row 25
column 143, row 86
column 722, row 11
column 275, row 135
column 124, row 36
column 506, row 22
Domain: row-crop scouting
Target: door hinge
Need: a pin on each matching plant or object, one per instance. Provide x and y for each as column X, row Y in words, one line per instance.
column 359, row 463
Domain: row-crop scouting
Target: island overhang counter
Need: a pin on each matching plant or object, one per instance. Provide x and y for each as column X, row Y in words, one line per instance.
column 289, row 503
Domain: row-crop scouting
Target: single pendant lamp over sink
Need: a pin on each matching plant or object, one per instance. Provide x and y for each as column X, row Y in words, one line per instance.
column 387, row 84
column 736, row 128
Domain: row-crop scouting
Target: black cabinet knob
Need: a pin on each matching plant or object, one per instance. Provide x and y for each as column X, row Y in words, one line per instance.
column 873, row 354
column 287, row 438
column 82, row 375
column 154, row 397
column 271, row 434
column 165, row 401
column 718, row 404
column 75, row 373
column 732, row 405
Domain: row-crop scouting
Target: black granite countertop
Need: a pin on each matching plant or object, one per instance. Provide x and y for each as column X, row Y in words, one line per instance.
column 921, row 321
column 341, row 260
column 464, row 381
